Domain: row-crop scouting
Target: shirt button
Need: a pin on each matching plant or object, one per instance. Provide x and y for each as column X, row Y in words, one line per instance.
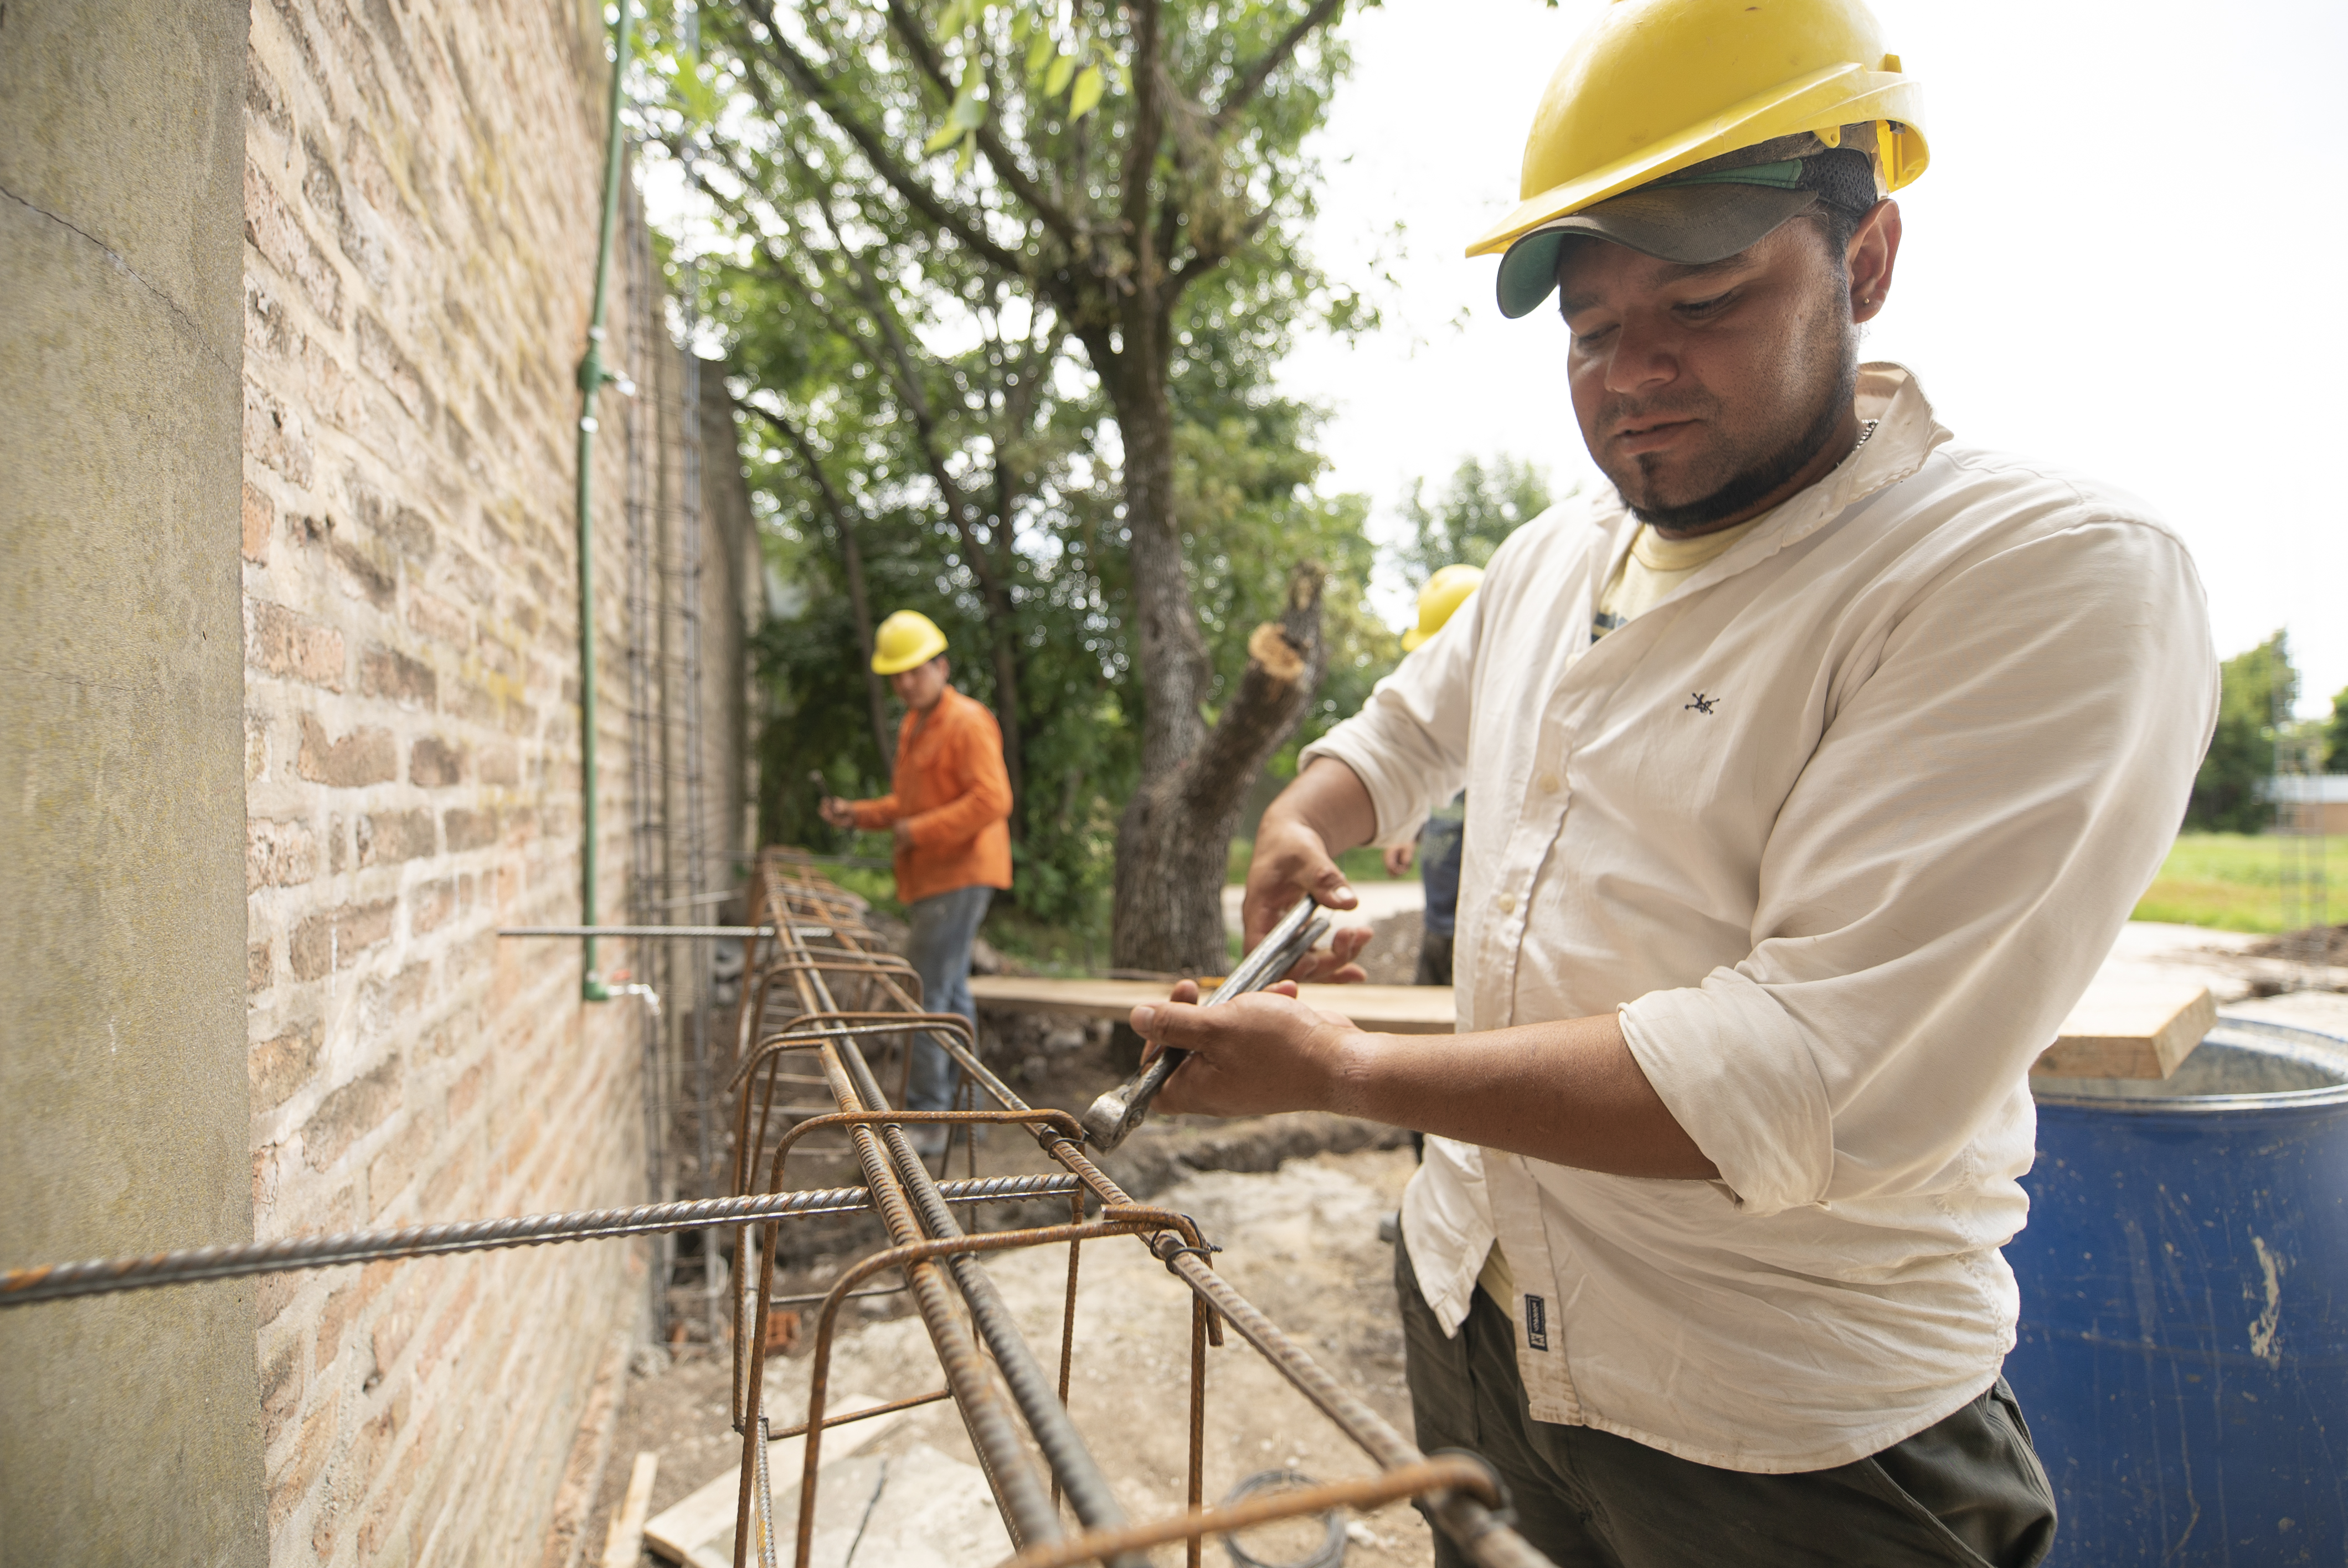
column 1507, row 902
column 1550, row 783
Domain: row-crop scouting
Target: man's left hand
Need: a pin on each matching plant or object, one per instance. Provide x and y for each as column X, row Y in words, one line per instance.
column 1255, row 1054
column 902, row 831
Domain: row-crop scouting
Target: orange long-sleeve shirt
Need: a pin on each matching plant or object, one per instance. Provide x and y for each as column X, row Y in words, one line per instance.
column 951, row 793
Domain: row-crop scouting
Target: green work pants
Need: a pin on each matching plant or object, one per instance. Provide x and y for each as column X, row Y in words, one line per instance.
column 1964, row 1492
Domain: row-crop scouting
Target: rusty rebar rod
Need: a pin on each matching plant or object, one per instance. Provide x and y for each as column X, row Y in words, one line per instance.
column 1079, row 1475
column 1452, row 1472
column 828, row 1319
column 191, row 1266
column 983, row 1403
column 988, row 1413
column 1072, row 1466
column 1462, row 1511
column 1485, row 1536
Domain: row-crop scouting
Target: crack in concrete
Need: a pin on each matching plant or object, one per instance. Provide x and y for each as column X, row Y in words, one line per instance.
column 111, row 254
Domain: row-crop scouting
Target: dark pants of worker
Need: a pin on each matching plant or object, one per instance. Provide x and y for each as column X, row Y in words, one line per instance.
column 1967, row 1491
column 944, row 926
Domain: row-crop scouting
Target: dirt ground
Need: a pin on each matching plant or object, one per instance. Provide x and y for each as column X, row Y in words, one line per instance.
column 1301, row 1242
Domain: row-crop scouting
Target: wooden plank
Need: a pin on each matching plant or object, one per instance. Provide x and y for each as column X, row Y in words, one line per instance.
column 624, row 1540
column 1389, row 1009
column 2120, row 1030
column 2138, row 1029
column 699, row 1531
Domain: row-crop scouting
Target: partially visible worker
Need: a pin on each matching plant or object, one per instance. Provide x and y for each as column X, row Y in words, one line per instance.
column 948, row 806
column 1818, row 760
column 1437, row 844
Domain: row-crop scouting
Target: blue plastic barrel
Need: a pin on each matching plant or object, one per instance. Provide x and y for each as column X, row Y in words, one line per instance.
column 2183, row 1350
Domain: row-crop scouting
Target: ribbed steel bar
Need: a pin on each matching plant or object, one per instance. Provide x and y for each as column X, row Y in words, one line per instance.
column 63, row 1281
column 987, row 1410
column 1450, row 1470
column 1074, row 1469
column 984, row 1405
column 902, row 1258
column 1077, row 1472
column 1468, row 1521
column 1479, row 1530
column 1475, row 1527
column 661, row 932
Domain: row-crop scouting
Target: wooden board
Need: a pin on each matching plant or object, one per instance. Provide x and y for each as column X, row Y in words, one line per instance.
column 1388, row 1010
column 699, row 1531
column 2139, row 1029
column 2132, row 1030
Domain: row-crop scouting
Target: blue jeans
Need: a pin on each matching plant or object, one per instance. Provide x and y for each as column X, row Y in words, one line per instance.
column 944, row 926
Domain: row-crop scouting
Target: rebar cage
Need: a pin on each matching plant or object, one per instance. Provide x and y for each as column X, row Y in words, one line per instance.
column 822, row 992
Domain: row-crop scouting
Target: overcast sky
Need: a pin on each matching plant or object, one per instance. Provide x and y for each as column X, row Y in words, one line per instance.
column 2125, row 259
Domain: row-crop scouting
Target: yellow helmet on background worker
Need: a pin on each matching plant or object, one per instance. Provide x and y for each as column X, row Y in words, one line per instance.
column 1682, row 126
column 906, row 638
column 1445, row 592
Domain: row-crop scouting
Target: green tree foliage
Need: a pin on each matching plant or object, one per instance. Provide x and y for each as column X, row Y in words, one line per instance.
column 1484, row 502
column 2336, row 735
column 2256, row 689
column 1004, row 284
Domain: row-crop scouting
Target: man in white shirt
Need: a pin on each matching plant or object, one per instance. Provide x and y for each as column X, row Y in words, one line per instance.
column 1816, row 769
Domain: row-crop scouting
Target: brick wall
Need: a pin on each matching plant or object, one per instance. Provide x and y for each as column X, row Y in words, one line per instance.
column 421, row 183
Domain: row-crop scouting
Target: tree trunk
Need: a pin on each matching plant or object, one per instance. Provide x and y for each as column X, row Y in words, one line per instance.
column 861, row 607
column 1173, row 842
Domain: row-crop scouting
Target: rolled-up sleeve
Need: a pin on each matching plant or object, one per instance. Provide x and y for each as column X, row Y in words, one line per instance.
column 1983, row 809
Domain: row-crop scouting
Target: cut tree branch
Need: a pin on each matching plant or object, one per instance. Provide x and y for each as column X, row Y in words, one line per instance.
column 1285, row 662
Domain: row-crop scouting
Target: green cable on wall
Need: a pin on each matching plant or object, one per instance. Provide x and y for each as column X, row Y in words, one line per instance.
column 592, row 377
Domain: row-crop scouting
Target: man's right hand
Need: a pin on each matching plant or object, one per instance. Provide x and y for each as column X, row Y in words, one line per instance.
column 1293, row 858
column 836, row 811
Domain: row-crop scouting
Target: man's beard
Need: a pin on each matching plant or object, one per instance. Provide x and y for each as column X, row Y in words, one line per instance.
column 1780, row 463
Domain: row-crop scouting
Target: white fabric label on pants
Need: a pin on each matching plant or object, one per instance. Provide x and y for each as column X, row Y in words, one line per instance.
column 1535, row 1323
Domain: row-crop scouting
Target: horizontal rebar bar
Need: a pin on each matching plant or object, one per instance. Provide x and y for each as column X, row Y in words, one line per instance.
column 1462, row 1511
column 1444, row 1473
column 659, row 931
column 58, row 1282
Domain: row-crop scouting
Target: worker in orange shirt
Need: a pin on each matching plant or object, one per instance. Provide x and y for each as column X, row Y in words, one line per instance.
column 949, row 805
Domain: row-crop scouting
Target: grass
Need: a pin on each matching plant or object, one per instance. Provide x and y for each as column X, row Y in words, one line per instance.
column 2232, row 881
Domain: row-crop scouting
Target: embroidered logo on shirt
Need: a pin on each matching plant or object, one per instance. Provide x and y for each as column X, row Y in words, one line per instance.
column 1536, row 1322
column 1703, row 704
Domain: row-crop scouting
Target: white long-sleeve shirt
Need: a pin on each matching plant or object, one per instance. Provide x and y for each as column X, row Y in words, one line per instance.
column 1840, row 828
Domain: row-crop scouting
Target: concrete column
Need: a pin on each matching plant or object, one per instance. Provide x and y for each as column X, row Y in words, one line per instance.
column 131, row 1424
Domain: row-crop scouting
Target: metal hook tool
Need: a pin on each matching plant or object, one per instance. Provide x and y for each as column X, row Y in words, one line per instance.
column 1115, row 1115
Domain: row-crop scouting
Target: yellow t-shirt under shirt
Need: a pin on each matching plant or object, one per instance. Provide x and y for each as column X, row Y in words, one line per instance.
column 1653, row 567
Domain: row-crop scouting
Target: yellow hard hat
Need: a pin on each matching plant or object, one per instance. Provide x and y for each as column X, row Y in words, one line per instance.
column 1657, row 86
column 906, row 638
column 1445, row 592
